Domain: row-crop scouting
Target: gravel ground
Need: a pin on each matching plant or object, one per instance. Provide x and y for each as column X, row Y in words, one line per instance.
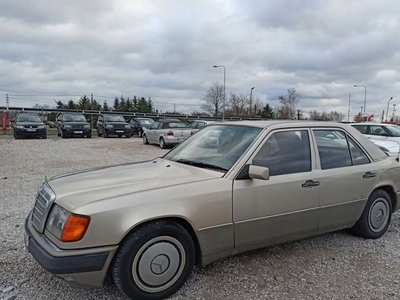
column 331, row 266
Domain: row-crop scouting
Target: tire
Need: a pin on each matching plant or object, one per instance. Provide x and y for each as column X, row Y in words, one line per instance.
column 135, row 270
column 145, row 140
column 162, row 143
column 63, row 136
column 120, row 136
column 44, row 136
column 128, row 136
column 140, row 133
column 105, row 135
column 376, row 217
column 98, row 133
column 89, row 136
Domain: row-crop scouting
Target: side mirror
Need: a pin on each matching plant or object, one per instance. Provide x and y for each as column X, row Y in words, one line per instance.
column 331, row 136
column 257, row 172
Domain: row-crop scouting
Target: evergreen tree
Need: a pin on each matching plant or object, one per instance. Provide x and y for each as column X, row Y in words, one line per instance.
column 128, row 105
column 143, row 105
column 122, row 103
column 116, row 103
column 84, row 103
column 60, row 105
column 267, row 112
column 135, row 104
column 150, row 106
column 105, row 106
column 71, row 104
column 96, row 105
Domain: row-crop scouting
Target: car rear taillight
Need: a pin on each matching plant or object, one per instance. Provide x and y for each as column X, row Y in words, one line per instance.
column 192, row 132
column 211, row 134
column 170, row 133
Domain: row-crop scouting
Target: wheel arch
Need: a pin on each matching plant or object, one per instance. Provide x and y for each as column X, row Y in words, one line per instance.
column 177, row 219
column 390, row 190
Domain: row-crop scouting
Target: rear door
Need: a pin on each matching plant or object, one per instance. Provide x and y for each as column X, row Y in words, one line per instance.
column 346, row 175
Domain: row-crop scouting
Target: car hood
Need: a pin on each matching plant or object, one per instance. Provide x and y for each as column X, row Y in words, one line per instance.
column 80, row 188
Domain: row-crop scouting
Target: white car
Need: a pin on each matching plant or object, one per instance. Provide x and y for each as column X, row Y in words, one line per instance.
column 379, row 131
column 389, row 147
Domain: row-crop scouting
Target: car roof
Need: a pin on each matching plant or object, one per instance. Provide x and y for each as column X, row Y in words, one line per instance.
column 169, row 120
column 379, row 124
column 288, row 123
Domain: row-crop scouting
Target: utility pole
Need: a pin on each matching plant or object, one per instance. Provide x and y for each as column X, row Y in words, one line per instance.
column 298, row 114
column 91, row 107
column 348, row 113
column 394, row 109
column 7, row 102
column 251, row 96
column 174, row 108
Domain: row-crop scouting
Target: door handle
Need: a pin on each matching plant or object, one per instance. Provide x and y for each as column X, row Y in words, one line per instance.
column 369, row 175
column 310, row 183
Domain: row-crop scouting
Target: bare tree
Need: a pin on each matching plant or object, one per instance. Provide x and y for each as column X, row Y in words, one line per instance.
column 214, row 99
column 288, row 107
column 324, row 116
column 336, row 116
column 315, row 116
column 237, row 104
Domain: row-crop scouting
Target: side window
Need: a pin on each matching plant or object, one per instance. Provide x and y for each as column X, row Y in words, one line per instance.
column 193, row 125
column 155, row 125
column 285, row 152
column 357, row 155
column 361, row 128
column 378, row 130
column 200, row 125
column 160, row 125
column 333, row 153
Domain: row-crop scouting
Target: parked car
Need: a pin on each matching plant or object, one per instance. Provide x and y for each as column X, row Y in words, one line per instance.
column 113, row 125
column 139, row 124
column 166, row 132
column 213, row 137
column 148, row 223
column 29, row 125
column 388, row 147
column 379, row 131
column 73, row 124
column 49, row 124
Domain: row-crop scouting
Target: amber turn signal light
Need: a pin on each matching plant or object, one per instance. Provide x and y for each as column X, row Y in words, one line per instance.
column 75, row 228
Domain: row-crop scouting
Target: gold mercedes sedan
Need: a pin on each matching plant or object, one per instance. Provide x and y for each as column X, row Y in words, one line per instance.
column 257, row 183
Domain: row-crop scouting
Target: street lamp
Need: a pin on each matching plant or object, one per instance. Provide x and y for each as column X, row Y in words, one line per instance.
column 387, row 110
column 223, row 105
column 251, row 94
column 365, row 97
column 394, row 109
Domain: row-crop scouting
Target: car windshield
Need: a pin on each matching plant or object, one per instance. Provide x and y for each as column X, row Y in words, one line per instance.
column 145, row 121
column 114, row 119
column 394, row 130
column 216, row 147
column 74, row 118
column 29, row 118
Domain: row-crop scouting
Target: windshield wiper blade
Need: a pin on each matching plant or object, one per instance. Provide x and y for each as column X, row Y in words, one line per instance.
column 200, row 164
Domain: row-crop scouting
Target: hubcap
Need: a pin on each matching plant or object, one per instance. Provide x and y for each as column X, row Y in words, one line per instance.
column 144, row 139
column 378, row 215
column 158, row 264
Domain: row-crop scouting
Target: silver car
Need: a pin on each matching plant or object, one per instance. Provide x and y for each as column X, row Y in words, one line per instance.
column 270, row 182
column 166, row 132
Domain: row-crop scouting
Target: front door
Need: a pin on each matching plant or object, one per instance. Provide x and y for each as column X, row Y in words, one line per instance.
column 151, row 132
column 287, row 205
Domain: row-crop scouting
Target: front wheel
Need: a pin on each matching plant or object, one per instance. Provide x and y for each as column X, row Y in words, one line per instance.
column 376, row 216
column 145, row 140
column 154, row 261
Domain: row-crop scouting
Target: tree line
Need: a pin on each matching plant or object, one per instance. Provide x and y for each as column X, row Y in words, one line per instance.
column 239, row 105
column 136, row 104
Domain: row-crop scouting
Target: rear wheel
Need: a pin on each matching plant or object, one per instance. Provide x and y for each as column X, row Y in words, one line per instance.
column 162, row 143
column 44, row 136
column 98, row 133
column 63, row 136
column 154, row 261
column 376, row 217
column 145, row 140
column 105, row 134
column 120, row 136
column 128, row 136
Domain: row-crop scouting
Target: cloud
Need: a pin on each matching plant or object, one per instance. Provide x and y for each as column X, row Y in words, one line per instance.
column 166, row 50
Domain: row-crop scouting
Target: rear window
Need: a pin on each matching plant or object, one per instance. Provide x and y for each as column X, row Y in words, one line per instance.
column 175, row 125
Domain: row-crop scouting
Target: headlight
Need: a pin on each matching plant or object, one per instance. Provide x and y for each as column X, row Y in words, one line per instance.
column 86, row 126
column 41, row 127
column 20, row 127
column 110, row 126
column 66, row 226
column 67, row 126
column 127, row 126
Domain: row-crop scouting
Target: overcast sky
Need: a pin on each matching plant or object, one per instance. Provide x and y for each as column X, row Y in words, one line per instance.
column 166, row 49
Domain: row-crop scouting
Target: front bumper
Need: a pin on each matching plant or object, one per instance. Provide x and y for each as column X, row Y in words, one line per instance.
column 78, row 132
column 36, row 133
column 113, row 131
column 80, row 268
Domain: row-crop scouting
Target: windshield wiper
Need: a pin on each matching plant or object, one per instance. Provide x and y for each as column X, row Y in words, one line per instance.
column 200, row 164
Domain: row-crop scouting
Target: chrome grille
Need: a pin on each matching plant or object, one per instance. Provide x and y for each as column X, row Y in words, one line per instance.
column 30, row 126
column 77, row 126
column 119, row 126
column 44, row 199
